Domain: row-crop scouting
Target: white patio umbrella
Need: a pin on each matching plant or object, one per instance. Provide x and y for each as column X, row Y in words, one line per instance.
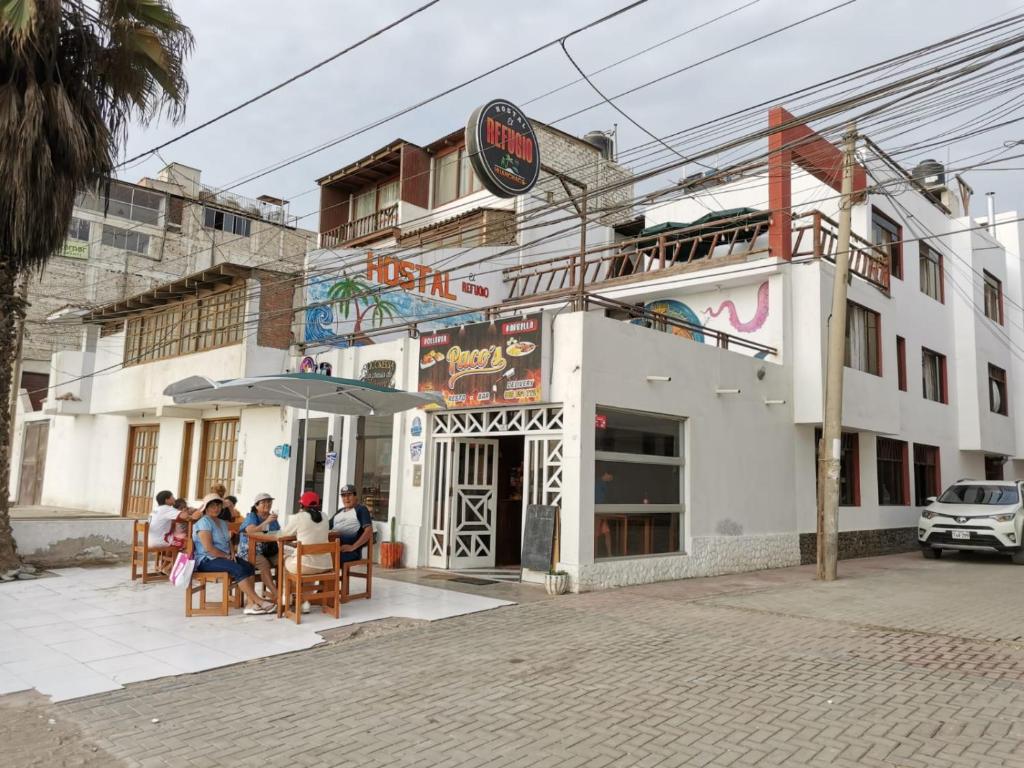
column 301, row 390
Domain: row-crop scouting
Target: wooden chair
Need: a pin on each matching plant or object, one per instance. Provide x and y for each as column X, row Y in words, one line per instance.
column 367, row 573
column 141, row 550
column 198, row 584
column 321, row 587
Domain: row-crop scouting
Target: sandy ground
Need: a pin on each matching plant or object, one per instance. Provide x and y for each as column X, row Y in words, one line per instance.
column 35, row 735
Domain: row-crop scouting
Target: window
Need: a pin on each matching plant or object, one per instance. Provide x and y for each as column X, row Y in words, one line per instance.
column 997, row 390
column 78, row 229
column 126, row 240
column 993, row 298
column 931, row 273
column 194, row 326
column 638, row 484
column 933, row 376
column 901, row 363
column 374, row 199
column 217, row 458
column 994, row 467
column 454, row 177
column 849, row 467
column 888, row 236
column 970, row 493
column 226, row 222
column 373, row 463
column 125, row 201
column 926, row 473
column 893, row 473
column 862, row 339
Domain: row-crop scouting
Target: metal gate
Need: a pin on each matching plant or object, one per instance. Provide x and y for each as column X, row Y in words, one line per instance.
column 464, row 499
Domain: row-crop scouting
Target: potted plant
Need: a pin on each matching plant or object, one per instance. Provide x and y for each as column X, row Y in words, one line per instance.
column 556, row 582
column 391, row 551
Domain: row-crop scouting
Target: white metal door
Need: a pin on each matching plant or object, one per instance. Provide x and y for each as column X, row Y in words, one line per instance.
column 543, row 478
column 474, row 503
column 440, row 498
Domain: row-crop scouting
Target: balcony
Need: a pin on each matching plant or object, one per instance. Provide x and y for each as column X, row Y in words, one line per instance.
column 817, row 236
column 725, row 241
column 377, row 222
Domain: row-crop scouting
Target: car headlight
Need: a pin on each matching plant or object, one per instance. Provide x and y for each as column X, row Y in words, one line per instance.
column 1006, row 517
column 928, row 514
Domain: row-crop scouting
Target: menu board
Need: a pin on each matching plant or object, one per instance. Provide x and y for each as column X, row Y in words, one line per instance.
column 492, row 363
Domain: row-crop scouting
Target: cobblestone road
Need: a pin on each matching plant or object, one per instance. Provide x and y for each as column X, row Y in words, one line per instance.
column 904, row 663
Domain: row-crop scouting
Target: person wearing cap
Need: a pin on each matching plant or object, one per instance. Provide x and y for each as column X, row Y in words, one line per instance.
column 309, row 527
column 352, row 524
column 260, row 520
column 212, row 539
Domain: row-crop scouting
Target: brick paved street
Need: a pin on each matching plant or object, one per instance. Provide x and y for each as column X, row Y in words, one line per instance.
column 905, row 662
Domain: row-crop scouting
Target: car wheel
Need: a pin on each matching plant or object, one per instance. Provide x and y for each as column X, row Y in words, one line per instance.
column 1018, row 557
column 931, row 553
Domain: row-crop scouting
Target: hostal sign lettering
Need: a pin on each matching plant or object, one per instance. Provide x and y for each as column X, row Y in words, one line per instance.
column 409, row 276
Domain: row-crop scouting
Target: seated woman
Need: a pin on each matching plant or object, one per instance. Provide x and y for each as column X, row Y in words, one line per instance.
column 309, row 527
column 260, row 520
column 213, row 554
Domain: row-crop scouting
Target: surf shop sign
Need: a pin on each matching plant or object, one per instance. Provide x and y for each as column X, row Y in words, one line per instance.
column 503, row 148
column 493, row 363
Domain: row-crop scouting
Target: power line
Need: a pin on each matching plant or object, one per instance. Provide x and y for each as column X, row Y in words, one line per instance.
column 282, row 84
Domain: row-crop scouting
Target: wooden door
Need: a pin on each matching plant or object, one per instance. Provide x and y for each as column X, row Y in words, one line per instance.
column 185, row 473
column 140, row 470
column 33, row 462
column 217, row 457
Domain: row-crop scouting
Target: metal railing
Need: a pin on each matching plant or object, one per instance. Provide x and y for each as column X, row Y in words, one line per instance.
column 385, row 218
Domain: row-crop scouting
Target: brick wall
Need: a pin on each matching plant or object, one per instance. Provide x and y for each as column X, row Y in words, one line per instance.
column 277, row 292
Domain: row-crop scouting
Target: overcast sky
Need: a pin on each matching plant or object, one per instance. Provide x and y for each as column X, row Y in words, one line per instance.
column 244, row 46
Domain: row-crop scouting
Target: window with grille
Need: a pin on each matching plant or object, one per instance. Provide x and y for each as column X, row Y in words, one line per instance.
column 993, row 298
column 849, row 467
column 215, row 320
column 893, row 473
column 126, row 240
column 223, row 221
column 933, row 376
column 997, row 390
column 931, row 273
column 219, row 449
column 125, row 201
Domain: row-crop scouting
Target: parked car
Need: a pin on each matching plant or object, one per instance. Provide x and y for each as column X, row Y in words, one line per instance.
column 974, row 515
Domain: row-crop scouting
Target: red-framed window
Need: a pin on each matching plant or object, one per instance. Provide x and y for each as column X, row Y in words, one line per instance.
column 849, row 467
column 901, row 363
column 893, row 472
column 927, row 478
column 887, row 236
column 997, row 392
column 932, row 279
column 993, row 297
column 863, row 339
column 933, row 376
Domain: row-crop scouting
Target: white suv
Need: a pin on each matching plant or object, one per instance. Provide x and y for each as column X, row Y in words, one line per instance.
column 974, row 515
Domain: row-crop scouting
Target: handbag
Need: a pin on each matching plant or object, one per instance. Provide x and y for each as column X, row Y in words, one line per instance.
column 181, row 571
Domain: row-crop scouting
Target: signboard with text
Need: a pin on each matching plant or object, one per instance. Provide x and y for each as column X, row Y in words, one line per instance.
column 483, row 364
column 503, row 148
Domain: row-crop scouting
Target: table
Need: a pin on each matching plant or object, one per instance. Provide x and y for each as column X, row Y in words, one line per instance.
column 280, row 539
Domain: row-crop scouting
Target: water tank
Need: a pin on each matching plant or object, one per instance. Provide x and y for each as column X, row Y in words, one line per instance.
column 603, row 142
column 930, row 174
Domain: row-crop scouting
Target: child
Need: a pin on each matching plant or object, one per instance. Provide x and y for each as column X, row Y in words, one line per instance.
column 178, row 535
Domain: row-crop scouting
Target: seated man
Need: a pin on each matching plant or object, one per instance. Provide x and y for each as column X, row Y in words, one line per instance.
column 353, row 524
column 161, row 520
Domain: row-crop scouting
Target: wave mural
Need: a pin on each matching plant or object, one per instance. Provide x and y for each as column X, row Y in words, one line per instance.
column 679, row 311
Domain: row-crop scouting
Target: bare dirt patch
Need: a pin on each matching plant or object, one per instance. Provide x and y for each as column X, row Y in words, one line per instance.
column 34, row 734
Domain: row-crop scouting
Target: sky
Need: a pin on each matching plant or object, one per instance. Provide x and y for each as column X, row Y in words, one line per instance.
column 245, row 46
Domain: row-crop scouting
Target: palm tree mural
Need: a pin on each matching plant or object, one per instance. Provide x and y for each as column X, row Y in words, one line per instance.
column 73, row 76
column 349, row 292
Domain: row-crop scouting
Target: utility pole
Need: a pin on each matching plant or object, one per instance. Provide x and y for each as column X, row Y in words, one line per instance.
column 830, row 449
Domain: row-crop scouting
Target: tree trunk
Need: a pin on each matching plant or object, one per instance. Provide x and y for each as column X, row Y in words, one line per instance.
column 12, row 308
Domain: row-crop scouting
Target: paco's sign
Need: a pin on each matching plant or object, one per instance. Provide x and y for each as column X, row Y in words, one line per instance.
column 502, row 148
column 493, row 363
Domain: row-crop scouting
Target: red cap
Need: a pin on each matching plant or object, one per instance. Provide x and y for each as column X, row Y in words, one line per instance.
column 309, row 499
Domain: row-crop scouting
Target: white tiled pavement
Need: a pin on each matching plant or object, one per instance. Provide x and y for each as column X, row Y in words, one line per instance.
column 89, row 630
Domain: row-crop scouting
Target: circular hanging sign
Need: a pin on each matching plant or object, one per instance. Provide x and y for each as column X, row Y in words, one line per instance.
column 503, row 148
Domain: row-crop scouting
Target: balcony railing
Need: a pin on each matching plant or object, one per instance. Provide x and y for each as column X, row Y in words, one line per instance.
column 740, row 239
column 385, row 218
column 816, row 235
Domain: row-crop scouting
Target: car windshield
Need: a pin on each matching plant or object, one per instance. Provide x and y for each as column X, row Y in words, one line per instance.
column 980, row 494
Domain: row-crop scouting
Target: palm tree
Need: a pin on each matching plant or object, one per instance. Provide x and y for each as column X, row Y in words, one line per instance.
column 349, row 292
column 73, row 75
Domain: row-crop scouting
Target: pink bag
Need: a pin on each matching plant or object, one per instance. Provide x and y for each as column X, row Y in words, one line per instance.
column 181, row 571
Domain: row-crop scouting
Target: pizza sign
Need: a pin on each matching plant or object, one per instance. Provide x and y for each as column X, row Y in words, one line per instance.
column 502, row 148
column 493, row 363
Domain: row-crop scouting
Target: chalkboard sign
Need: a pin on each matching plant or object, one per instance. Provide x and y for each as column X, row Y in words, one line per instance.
column 539, row 537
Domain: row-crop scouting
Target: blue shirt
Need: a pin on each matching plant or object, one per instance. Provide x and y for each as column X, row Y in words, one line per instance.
column 221, row 537
column 243, row 538
column 350, row 523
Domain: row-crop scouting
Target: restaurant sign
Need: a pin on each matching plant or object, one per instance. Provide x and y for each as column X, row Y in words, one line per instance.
column 503, row 148
column 493, row 363
column 378, row 372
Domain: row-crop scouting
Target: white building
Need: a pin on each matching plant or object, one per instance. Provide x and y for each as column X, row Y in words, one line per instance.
column 673, row 421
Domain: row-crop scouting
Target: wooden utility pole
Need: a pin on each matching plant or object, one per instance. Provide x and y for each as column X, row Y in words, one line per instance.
column 830, row 450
